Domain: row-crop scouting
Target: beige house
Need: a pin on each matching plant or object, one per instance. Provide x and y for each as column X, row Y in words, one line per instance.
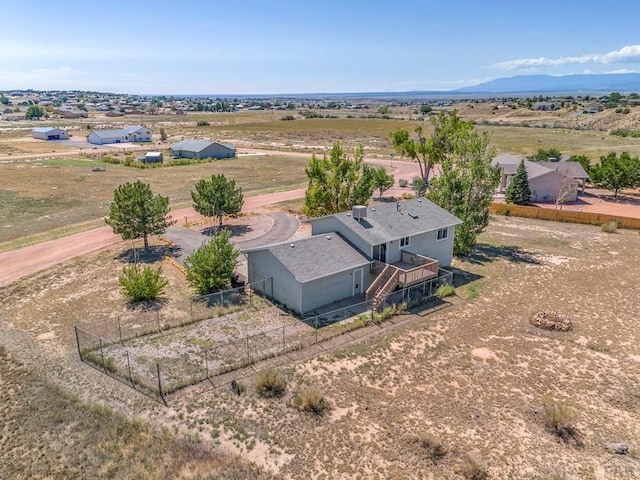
column 549, row 181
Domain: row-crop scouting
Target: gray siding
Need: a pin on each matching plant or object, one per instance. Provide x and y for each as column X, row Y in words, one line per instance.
column 212, row 151
column 286, row 289
column 427, row 244
column 327, row 290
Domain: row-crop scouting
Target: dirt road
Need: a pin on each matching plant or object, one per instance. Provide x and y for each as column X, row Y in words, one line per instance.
column 28, row 260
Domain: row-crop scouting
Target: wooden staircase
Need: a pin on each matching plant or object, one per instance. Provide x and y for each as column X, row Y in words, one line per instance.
column 383, row 285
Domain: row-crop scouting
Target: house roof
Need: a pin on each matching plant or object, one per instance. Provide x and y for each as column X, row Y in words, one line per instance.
column 571, row 169
column 316, row 257
column 45, row 129
column 509, row 164
column 191, row 145
column 107, row 133
column 131, row 129
column 385, row 222
column 228, row 145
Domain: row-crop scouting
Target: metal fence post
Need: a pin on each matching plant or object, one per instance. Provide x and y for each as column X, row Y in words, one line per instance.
column 206, row 361
column 250, row 298
column 78, row 342
column 158, row 320
column 129, row 367
column 284, row 345
column 104, row 367
column 316, row 323
column 191, row 308
column 248, row 354
column 119, row 329
column 160, row 384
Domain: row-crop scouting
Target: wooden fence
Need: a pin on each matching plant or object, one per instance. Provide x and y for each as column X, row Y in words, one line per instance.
column 563, row 215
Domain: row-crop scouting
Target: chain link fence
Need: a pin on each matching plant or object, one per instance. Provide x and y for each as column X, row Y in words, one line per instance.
column 112, row 347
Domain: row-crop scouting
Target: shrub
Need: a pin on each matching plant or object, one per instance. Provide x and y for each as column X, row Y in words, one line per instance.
column 389, row 312
column 473, row 467
column 311, row 400
column 558, row 417
column 610, row 227
column 237, row 387
column 270, row 383
column 433, row 445
column 111, row 160
column 403, row 182
column 141, row 285
column 202, row 123
column 288, row 118
column 445, row 290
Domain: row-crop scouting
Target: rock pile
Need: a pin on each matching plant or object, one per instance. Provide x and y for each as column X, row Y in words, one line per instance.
column 552, row 321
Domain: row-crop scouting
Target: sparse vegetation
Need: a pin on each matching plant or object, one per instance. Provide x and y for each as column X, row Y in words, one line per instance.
column 472, row 467
column 142, row 284
column 558, row 417
column 311, row 400
column 446, row 290
column 433, row 446
column 609, row 227
column 270, row 383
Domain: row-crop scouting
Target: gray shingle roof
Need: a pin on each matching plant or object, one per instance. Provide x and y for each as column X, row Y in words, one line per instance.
column 317, row 256
column 107, row 133
column 509, row 164
column 571, row 169
column 44, row 129
column 386, row 222
column 191, row 145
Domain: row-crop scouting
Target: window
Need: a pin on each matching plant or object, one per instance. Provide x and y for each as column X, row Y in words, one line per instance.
column 443, row 233
column 404, row 242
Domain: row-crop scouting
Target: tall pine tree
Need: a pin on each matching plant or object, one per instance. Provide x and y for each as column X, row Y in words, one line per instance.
column 518, row 191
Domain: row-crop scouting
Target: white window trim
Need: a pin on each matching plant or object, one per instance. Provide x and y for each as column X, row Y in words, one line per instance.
column 407, row 244
column 445, row 229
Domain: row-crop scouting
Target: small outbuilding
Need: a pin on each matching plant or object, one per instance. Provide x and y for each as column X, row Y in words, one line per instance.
column 50, row 133
column 198, row 149
column 153, row 157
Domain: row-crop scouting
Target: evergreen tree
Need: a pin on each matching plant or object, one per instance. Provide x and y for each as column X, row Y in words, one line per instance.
column 217, row 197
column 518, row 191
column 136, row 213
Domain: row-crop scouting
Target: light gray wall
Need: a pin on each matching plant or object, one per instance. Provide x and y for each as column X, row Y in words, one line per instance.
column 327, row 290
column 286, row 289
column 547, row 187
column 45, row 135
column 427, row 244
column 216, row 151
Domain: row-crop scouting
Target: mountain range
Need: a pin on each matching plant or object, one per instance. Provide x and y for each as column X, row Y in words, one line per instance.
column 609, row 82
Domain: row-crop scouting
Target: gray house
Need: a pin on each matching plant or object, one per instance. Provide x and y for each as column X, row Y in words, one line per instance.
column 133, row 133
column 199, row 149
column 50, row 133
column 368, row 252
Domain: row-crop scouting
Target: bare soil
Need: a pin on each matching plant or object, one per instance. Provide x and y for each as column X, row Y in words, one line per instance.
column 472, row 375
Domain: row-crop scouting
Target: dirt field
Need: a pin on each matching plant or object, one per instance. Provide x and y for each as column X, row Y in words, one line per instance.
column 473, row 375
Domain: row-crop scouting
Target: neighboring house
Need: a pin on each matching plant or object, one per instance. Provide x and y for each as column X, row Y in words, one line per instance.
column 134, row 133
column 153, row 157
column 545, row 106
column 367, row 252
column 50, row 133
column 199, row 149
column 593, row 108
column 547, row 183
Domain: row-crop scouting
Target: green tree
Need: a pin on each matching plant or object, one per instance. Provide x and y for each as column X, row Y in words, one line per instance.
column 616, row 172
column 142, row 284
column 518, row 191
column 210, row 267
column 425, row 108
column 382, row 181
column 384, row 109
column 217, row 197
column 35, row 111
column 468, row 181
column 163, row 134
column 337, row 183
column 419, row 186
column 136, row 213
column 4, row 100
column 418, row 150
column 543, row 155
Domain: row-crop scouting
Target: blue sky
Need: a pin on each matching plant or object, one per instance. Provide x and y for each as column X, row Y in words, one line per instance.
column 253, row 46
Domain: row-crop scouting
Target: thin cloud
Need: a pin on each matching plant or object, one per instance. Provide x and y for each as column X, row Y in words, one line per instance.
column 627, row 54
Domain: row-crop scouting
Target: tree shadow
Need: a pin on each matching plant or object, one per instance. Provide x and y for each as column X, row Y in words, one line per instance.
column 463, row 277
column 153, row 254
column 146, row 306
column 484, row 253
column 236, row 230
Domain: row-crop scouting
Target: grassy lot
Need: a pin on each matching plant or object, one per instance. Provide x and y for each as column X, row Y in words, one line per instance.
column 472, row 376
column 38, row 196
